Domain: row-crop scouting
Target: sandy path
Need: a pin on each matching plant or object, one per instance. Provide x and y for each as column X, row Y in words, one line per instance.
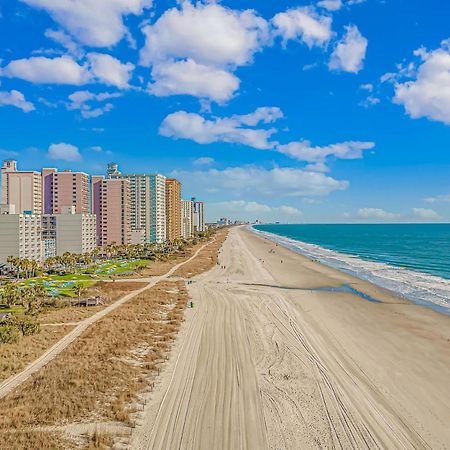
column 11, row 383
column 259, row 367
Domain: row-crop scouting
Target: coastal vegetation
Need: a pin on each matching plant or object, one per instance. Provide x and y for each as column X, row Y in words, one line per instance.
column 107, row 373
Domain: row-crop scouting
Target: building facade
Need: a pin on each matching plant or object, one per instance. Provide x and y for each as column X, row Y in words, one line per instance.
column 198, row 216
column 173, row 209
column 65, row 189
column 23, row 189
column 148, row 203
column 187, row 212
column 111, row 202
column 21, row 236
column 68, row 232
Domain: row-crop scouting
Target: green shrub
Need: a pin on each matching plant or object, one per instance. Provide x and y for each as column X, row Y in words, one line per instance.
column 29, row 327
column 8, row 334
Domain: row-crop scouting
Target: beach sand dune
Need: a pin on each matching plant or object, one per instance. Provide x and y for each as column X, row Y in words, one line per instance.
column 267, row 361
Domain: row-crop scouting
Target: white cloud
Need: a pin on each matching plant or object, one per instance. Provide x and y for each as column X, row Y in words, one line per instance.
column 370, row 101
column 65, row 70
column 260, row 182
column 64, row 152
column 367, row 87
column 203, row 161
column 429, row 94
column 191, row 78
column 99, row 149
column 438, row 199
column 376, row 214
column 39, row 69
column 66, row 41
column 82, row 100
column 195, row 49
column 349, row 52
column 330, row 5
column 303, row 24
column 110, row 70
column 96, row 23
column 234, row 129
column 209, row 34
column 426, row 214
column 318, row 156
column 251, row 210
column 17, row 99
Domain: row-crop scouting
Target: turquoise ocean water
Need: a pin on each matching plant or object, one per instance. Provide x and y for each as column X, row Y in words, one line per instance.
column 413, row 260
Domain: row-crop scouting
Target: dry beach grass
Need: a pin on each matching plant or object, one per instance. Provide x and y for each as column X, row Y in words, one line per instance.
column 99, row 376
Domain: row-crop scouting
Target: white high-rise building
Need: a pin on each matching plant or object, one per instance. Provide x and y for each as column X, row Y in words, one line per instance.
column 148, row 204
column 187, row 210
column 21, row 236
column 38, row 237
column 70, row 232
column 198, row 216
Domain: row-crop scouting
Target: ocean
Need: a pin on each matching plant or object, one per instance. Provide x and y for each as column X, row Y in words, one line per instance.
column 412, row 260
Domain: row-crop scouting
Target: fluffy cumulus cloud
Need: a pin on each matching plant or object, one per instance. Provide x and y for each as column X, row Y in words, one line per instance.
column 304, row 24
column 194, row 49
column 349, row 52
column 191, row 78
column 428, row 95
column 84, row 101
column 318, row 156
column 16, row 99
column 235, row 129
column 376, row 214
column 64, row 152
column 207, row 33
column 256, row 181
column 109, row 70
column 97, row 23
column 251, row 211
column 99, row 68
column 39, row 69
column 331, row 5
column 426, row 214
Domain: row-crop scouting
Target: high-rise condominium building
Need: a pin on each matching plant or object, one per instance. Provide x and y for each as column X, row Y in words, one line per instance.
column 187, row 212
column 20, row 236
column 65, row 189
column 173, row 209
column 148, row 204
column 23, row 189
column 199, row 216
column 111, row 204
column 68, row 232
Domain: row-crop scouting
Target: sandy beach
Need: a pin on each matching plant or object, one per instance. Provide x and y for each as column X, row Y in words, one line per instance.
column 267, row 360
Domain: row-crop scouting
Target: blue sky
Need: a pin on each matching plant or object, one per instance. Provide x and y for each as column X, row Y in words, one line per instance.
column 326, row 111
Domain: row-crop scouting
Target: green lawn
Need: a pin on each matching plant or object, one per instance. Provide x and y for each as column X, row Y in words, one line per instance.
column 118, row 267
column 64, row 285
column 61, row 285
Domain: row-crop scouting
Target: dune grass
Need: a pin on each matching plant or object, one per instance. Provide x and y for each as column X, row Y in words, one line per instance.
column 100, row 375
column 206, row 259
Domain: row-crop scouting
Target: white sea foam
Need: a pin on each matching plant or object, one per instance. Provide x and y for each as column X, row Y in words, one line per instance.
column 420, row 288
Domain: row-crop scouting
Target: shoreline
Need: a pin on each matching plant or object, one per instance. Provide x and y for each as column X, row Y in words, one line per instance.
column 339, row 262
column 269, row 353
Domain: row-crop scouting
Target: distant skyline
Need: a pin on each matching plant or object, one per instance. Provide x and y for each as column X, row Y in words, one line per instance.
column 296, row 111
